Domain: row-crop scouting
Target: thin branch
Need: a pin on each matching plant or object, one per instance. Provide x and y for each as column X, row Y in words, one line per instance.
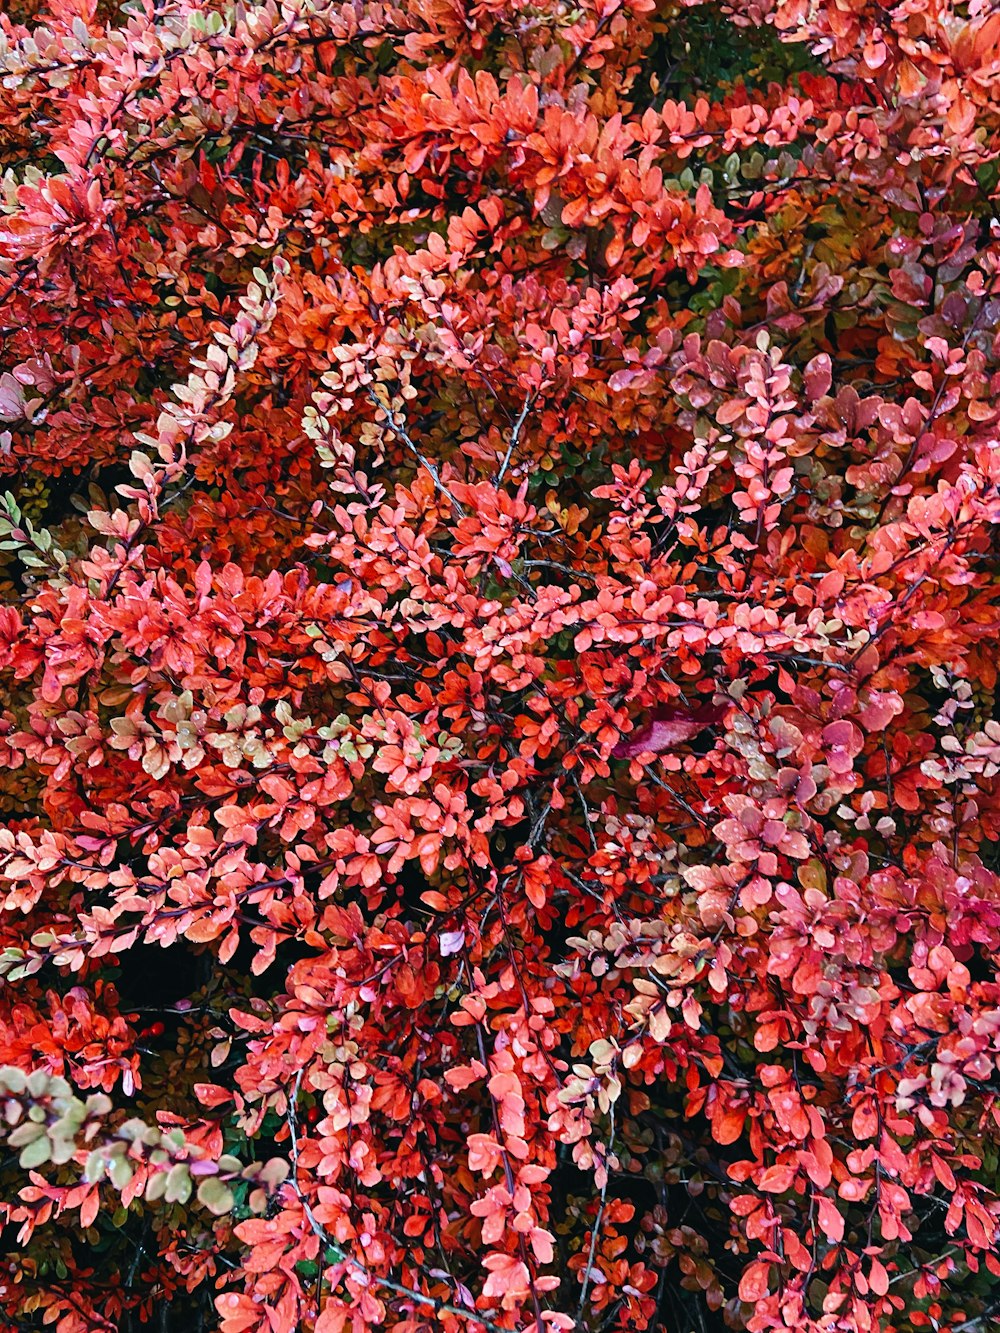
column 988, row 1317
column 439, row 1307
column 515, row 436
column 595, row 1234
column 398, row 428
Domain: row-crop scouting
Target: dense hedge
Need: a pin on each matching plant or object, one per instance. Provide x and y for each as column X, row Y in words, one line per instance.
column 498, row 731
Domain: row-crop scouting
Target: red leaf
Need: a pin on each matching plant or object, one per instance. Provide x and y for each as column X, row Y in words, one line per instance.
column 831, row 1220
column 777, row 1179
column 753, row 1284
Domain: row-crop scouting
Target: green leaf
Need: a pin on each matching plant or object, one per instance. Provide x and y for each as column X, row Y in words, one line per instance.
column 215, row 1196
column 36, row 1153
column 178, row 1186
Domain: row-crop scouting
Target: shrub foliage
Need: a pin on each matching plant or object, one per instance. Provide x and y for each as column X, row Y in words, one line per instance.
column 498, row 645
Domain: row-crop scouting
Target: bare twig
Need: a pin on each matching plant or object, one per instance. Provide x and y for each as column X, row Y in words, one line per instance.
column 398, row 428
column 515, row 436
column 595, row 1234
column 985, row 1320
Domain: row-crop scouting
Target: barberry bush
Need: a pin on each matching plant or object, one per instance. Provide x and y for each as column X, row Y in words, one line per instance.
column 498, row 666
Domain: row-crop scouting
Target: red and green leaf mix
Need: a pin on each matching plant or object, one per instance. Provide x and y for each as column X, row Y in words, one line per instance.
column 498, row 665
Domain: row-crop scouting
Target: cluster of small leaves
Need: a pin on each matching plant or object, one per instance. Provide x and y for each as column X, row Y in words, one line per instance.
column 499, row 739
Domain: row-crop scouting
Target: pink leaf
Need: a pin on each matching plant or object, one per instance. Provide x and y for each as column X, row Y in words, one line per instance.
column 668, row 726
column 451, row 941
column 12, row 400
